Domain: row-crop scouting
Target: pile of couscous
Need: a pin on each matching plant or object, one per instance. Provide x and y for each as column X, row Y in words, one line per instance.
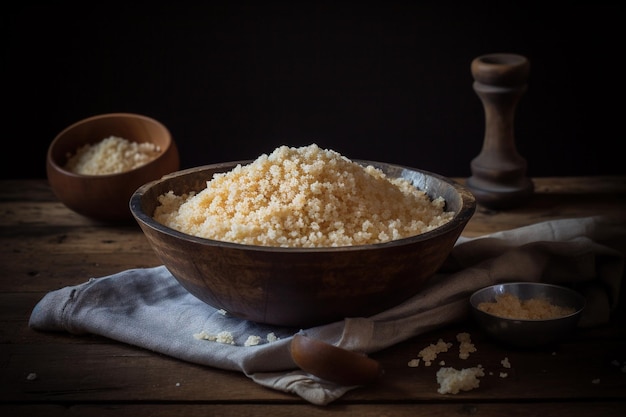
column 111, row 155
column 303, row 197
column 510, row 306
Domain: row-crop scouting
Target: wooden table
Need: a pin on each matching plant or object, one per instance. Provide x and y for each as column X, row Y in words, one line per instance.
column 45, row 246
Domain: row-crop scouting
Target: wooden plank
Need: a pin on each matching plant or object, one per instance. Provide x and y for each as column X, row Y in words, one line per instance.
column 116, row 372
column 33, row 212
column 32, row 272
column 71, row 371
column 513, row 409
column 72, row 240
column 580, row 185
column 556, row 198
column 45, row 246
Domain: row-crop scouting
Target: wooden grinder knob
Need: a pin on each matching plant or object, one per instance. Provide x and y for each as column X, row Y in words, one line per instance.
column 498, row 178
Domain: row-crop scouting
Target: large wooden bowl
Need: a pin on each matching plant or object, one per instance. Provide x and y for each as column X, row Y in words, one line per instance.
column 106, row 197
column 301, row 287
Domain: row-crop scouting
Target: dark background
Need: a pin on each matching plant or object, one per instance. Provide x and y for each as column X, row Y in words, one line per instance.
column 387, row 81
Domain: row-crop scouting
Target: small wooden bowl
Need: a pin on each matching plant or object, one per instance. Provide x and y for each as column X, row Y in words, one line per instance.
column 301, row 287
column 106, row 197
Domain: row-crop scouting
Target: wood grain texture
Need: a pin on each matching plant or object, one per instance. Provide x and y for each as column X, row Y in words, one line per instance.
column 45, row 246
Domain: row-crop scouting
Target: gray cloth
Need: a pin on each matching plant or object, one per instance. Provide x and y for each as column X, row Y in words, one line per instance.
column 149, row 309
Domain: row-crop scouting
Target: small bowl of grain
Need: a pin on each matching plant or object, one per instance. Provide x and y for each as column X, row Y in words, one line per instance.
column 95, row 165
column 527, row 314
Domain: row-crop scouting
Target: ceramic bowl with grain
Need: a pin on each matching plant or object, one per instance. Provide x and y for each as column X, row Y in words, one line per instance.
column 106, row 197
column 528, row 332
column 301, row 287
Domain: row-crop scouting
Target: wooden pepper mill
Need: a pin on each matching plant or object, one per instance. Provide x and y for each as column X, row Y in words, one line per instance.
column 498, row 178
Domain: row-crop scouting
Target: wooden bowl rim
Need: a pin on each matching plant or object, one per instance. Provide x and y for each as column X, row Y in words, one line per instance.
column 57, row 139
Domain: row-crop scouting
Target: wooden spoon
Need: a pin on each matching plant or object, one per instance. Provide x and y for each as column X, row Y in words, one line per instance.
column 332, row 363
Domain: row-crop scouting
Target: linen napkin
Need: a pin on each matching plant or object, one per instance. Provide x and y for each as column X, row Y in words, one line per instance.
column 148, row 308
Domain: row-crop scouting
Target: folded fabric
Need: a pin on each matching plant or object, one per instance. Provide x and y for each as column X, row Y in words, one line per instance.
column 148, row 308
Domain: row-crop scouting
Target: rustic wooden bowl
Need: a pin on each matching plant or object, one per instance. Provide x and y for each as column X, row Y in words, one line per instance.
column 106, row 197
column 300, row 287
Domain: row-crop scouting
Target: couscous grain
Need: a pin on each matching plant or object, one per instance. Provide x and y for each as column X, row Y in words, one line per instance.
column 303, row 197
column 111, row 155
column 510, row 306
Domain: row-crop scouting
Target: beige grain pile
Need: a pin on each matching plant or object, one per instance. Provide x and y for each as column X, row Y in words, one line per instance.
column 453, row 381
column 111, row 155
column 303, row 197
column 510, row 306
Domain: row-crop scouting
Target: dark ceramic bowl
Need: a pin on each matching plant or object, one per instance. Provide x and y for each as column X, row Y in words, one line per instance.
column 106, row 197
column 301, row 287
column 528, row 333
